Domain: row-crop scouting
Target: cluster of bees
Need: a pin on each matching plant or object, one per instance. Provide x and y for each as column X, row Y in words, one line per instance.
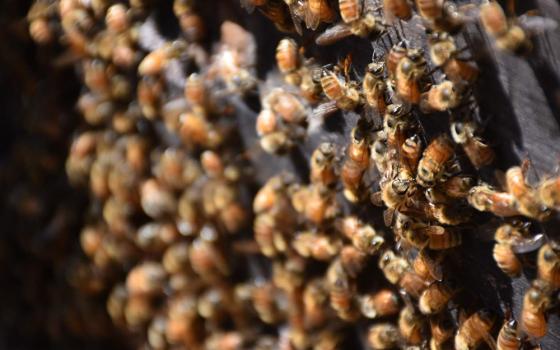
column 186, row 250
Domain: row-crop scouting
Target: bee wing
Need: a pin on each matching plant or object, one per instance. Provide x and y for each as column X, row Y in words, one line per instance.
column 537, row 24
column 149, row 38
column 432, row 230
column 312, row 20
column 296, row 18
column 388, row 217
column 324, row 110
column 529, row 245
column 376, row 199
column 434, row 267
column 333, row 34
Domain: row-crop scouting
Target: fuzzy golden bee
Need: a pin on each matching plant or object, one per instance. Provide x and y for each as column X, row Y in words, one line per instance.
column 434, row 161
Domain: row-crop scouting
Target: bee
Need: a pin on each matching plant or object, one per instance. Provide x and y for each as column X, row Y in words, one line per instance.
column 356, row 162
column 276, row 11
column 367, row 25
column 156, row 200
column 427, row 267
column 318, row 11
column 397, row 189
column 286, row 105
column 435, row 298
column 344, row 94
column 310, row 85
column 195, row 90
column 266, row 122
column 156, row 61
column 524, row 194
column 434, row 160
column 392, row 59
column 342, row 292
column 227, row 341
column 548, row 264
column 383, row 336
column 117, row 19
column 411, row 325
column 457, row 186
column 206, row 257
column 316, row 203
column 392, row 266
column 288, row 60
column 535, row 303
column 353, row 260
column 479, row 153
column 474, row 330
column 440, row 15
column 400, row 9
column 485, row 198
column 322, row 165
column 40, row 29
column 149, row 94
column 374, row 87
column 508, row 338
column 548, row 193
column 146, row 279
column 506, row 236
column 315, row 301
column 442, row 329
column 409, row 71
column 441, row 97
column 363, row 236
column 421, row 235
column 443, row 53
column 379, row 304
column 411, row 151
column 316, row 245
column 396, row 121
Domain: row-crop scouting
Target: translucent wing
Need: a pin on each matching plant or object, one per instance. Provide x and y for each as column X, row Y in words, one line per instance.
column 333, row 34
column 537, row 24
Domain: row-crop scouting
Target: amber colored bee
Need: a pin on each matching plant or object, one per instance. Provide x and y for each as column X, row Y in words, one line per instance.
column 392, row 59
column 356, row 163
column 350, row 10
column 548, row 264
column 508, row 338
column 116, row 18
column 38, row 16
column 525, row 194
column 156, row 61
column 411, row 150
column 443, row 52
column 485, row 198
column 392, row 266
column 316, row 245
column 353, row 260
column 146, row 279
column 315, row 300
column 548, row 192
column 411, row 325
column 345, row 94
column 396, row 121
column 479, row 153
column 409, row 71
column 310, row 85
column 474, row 330
column 288, row 60
column 457, row 186
column 374, row 87
column 368, row 25
column 156, row 200
column 149, row 94
column 342, row 292
column 441, row 97
column 207, row 260
column 442, row 329
column 427, row 267
column 195, row 90
column 316, row 203
column 322, row 165
column 318, row 11
column 440, row 15
column 509, row 37
column 434, row 159
column 400, row 9
column 383, row 336
column 379, row 304
column 535, row 303
column 266, row 122
column 435, row 298
column 507, row 235
column 286, row 105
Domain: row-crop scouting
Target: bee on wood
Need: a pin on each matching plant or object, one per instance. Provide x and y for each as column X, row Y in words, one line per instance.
column 408, row 75
column 535, row 303
column 548, row 264
column 379, row 304
column 443, row 54
column 479, row 153
column 344, row 93
column 434, row 161
column 524, row 194
column 474, row 330
column 485, row 198
column 356, row 162
column 508, row 338
column 323, row 169
column 374, row 87
column 435, row 298
column 441, row 97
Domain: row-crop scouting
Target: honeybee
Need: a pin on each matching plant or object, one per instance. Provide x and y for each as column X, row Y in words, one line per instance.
column 396, row 121
column 367, row 25
column 548, row 193
column 316, row 203
column 506, row 236
column 156, row 61
column 206, row 257
column 315, row 301
column 443, row 53
column 342, row 292
column 479, row 153
column 344, row 94
column 379, row 304
column 400, row 9
column 353, row 260
column 411, row 150
column 535, row 303
column 474, row 330
column 310, row 86
column 286, row 105
column 149, row 94
column 316, row 245
column 421, row 235
column 409, row 71
column 288, row 60
column 441, row 97
column 373, row 86
column 524, row 194
column 411, row 325
column 363, row 236
column 323, row 170
column 392, row 59
column 266, row 298
column 434, row 160
column 440, row 15
column 317, row 11
column 356, row 162
column 485, row 198
column 442, row 330
column 146, row 279
column 548, row 264
column 392, row 266
column 427, row 267
column 435, row 298
column 457, row 186
column 508, row 338
column 383, row 336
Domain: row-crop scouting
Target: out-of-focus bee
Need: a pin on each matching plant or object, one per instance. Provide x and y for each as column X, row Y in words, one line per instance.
column 474, row 330
column 365, row 24
column 342, row 292
column 548, row 264
column 274, row 10
column 485, row 198
column 548, row 193
column 38, row 16
column 435, row 298
column 289, row 60
column 479, row 153
column 363, row 236
column 409, row 72
column 146, row 279
column 196, row 130
column 206, row 257
column 393, row 266
column 508, row 338
column 442, row 329
column 411, row 325
column 356, row 162
column 374, row 87
column 156, row 61
column 457, row 186
column 427, row 267
column 156, row 200
column 422, row 235
column 443, row 53
column 344, row 93
column 317, row 11
column 353, row 260
column 440, row 15
column 383, row 336
column 434, row 161
column 316, row 245
column 227, row 341
column 379, row 304
column 315, row 301
column 441, row 97
column 535, row 302
column 286, row 105
column 411, row 151
column 524, row 194
column 316, row 203
column 323, row 169
column 400, row 9
column 507, row 236
column 149, row 94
